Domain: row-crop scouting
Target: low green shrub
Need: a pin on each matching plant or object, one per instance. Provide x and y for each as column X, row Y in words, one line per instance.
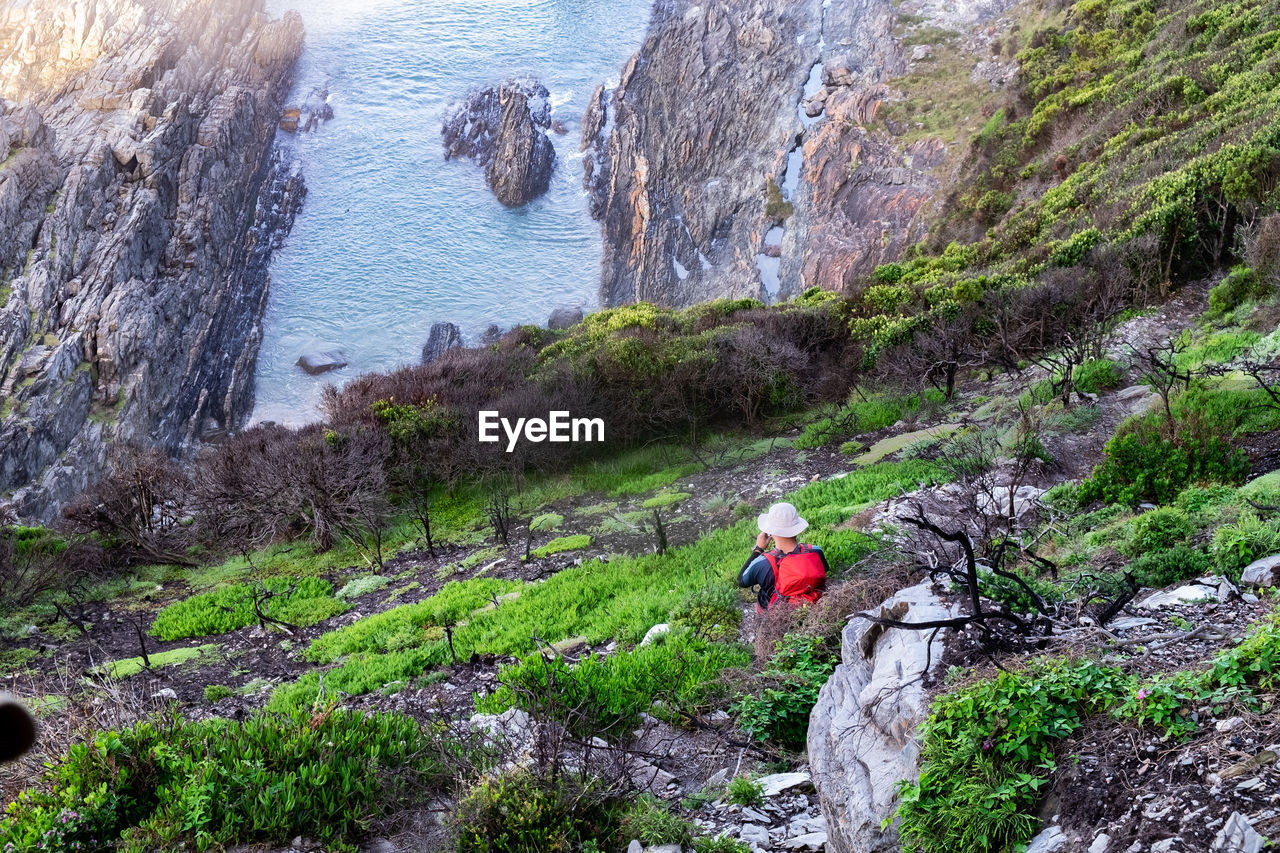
column 562, row 544
column 1159, row 530
column 744, row 791
column 217, row 692
column 666, row 499
column 1143, row 463
column 362, row 586
column 712, row 611
column 547, row 521
column 1238, row 544
column 1241, row 284
column 608, row 693
column 987, row 750
column 303, row 602
column 1097, row 375
column 170, row 782
column 1164, row 568
column 719, row 844
column 797, row 671
column 132, row 666
column 517, row 812
column 1012, row 593
column 651, row 821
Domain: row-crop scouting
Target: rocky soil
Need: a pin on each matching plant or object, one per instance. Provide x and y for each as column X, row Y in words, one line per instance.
column 136, row 139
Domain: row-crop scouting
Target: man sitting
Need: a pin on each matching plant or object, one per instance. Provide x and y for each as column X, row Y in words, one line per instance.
column 789, row 571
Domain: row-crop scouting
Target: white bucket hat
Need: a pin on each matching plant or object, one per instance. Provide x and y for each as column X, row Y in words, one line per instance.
column 782, row 520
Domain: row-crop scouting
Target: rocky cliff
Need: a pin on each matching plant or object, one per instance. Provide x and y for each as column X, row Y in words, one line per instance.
column 135, row 138
column 741, row 155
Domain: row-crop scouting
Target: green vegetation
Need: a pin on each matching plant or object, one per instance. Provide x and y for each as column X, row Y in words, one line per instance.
column 217, row 692
column 171, row 782
column 780, row 712
column 362, row 585
column 563, row 543
column 304, row 602
column 744, row 791
column 678, row 668
column 988, row 748
column 515, row 811
column 618, row 600
column 650, row 820
column 1098, row 374
column 666, row 499
column 547, row 521
column 132, row 666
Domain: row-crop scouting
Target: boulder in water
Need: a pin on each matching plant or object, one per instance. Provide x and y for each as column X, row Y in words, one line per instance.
column 503, row 129
column 319, row 361
column 442, row 338
column 563, row 318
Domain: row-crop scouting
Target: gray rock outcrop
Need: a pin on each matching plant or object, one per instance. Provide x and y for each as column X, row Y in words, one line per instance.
column 504, row 130
column 1262, row 573
column 442, row 338
column 563, row 318
column 318, row 361
column 862, row 729
column 134, row 140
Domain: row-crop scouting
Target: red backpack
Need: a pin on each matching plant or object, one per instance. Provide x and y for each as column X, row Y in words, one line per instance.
column 798, row 576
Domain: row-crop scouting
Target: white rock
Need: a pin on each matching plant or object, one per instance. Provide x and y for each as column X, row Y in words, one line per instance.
column 1128, row 623
column 635, row 847
column 718, row 778
column 655, row 632
column 1262, row 573
column 1229, row 724
column 1163, row 846
column 1049, row 840
column 666, row 848
column 1138, row 399
column 811, row 841
column 779, row 782
column 861, row 731
column 1238, row 836
column 1025, row 500
column 1205, row 589
column 166, row 693
column 1100, row 844
column 753, row 815
column 752, row 833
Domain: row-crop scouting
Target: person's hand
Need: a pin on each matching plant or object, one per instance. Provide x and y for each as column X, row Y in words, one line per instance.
column 762, row 541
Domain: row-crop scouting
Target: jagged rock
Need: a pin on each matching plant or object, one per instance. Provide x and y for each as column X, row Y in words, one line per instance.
column 1238, row 836
column 861, row 731
column 138, row 142
column 442, row 338
column 1262, row 573
column 1137, row 399
column 563, row 318
column 700, row 122
column 635, row 846
column 808, row 841
column 1100, row 844
column 166, row 694
column 754, row 834
column 322, row 361
column 1205, row 589
column 666, row 848
column 504, row 130
column 1025, row 500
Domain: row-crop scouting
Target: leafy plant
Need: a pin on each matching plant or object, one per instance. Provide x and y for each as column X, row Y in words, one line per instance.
column 744, row 791
column 712, row 611
column 169, row 782
column 1159, row 530
column 517, row 812
column 780, row 713
column 1163, row 568
column 651, row 821
column 1238, row 544
column 301, row 603
column 563, row 543
column 217, row 692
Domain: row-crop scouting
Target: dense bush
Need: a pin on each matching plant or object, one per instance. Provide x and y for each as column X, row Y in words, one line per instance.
column 1238, row 544
column 712, row 611
column 171, row 782
column 1158, row 569
column 1241, row 284
column 1098, row 374
column 779, row 710
column 1159, row 530
column 518, row 812
column 1150, row 459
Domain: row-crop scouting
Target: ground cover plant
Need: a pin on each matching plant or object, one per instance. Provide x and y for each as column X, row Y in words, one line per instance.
column 171, row 781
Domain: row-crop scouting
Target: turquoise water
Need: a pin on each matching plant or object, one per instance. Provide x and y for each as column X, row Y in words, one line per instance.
column 392, row 238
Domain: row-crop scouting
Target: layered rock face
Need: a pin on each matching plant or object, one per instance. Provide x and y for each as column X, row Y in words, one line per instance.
column 504, row 130
column 683, row 150
column 739, row 156
column 134, row 140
